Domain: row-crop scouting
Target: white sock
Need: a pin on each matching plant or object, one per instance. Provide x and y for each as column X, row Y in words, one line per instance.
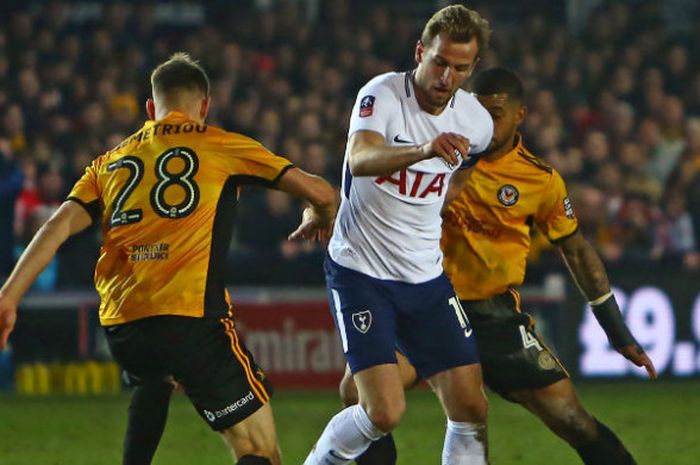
column 464, row 444
column 346, row 437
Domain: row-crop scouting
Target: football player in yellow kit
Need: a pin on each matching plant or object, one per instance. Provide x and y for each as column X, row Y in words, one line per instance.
column 165, row 199
column 485, row 241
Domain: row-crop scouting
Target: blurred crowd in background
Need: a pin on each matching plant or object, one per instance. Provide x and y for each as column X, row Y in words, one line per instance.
column 614, row 106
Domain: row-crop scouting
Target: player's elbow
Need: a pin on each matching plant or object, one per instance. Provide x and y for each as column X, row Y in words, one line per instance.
column 362, row 161
column 357, row 166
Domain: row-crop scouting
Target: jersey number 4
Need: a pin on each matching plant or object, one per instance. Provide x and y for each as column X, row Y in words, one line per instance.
column 528, row 339
column 160, row 205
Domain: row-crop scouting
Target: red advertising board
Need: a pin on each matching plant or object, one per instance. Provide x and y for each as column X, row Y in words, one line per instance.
column 295, row 343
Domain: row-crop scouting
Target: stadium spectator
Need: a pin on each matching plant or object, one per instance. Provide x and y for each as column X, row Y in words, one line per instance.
column 43, row 188
column 633, row 161
column 10, row 187
column 632, row 230
column 674, row 234
column 686, row 177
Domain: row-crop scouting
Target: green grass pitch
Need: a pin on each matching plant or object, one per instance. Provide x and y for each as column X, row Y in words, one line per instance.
column 659, row 421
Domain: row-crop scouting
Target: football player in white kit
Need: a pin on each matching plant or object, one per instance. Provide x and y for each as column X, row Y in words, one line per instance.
column 409, row 133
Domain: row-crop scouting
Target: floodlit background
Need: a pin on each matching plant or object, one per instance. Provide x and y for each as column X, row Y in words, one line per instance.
column 613, row 90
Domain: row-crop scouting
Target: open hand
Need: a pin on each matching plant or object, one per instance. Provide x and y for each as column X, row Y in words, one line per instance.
column 313, row 227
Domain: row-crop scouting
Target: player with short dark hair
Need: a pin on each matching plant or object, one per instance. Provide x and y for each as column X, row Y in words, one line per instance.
column 486, row 240
column 410, row 132
column 165, row 198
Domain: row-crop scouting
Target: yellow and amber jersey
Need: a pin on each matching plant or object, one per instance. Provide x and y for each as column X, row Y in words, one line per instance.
column 486, row 229
column 166, row 198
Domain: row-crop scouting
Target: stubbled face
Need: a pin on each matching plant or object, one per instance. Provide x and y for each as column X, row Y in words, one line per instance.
column 443, row 67
column 507, row 115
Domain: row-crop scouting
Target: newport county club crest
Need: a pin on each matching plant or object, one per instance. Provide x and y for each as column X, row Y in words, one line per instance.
column 508, row 195
column 546, row 361
column 362, row 321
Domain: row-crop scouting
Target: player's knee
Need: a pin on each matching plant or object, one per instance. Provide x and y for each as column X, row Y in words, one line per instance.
column 470, row 407
column 386, row 415
column 384, row 419
column 348, row 390
column 575, row 425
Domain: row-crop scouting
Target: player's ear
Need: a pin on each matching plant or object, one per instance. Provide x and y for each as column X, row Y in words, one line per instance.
column 151, row 108
column 522, row 113
column 420, row 48
column 204, row 107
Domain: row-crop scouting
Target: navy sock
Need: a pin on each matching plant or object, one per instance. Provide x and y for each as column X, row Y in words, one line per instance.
column 380, row 452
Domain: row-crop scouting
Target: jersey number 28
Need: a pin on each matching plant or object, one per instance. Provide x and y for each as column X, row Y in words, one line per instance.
column 160, row 205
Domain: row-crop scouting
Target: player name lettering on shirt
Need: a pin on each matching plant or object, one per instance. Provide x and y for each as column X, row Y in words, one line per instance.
column 162, row 129
column 140, row 253
column 421, row 183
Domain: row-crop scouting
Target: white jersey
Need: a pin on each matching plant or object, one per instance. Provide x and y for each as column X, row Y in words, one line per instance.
column 389, row 227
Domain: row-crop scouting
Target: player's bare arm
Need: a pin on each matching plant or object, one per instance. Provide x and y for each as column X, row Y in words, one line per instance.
column 317, row 219
column 69, row 219
column 590, row 276
column 370, row 156
column 457, row 183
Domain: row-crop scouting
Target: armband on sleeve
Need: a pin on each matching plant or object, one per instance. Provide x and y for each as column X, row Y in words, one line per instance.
column 610, row 319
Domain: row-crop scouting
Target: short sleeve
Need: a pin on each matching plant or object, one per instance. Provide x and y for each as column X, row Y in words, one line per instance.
column 485, row 135
column 251, row 161
column 556, row 218
column 480, row 140
column 86, row 192
column 374, row 107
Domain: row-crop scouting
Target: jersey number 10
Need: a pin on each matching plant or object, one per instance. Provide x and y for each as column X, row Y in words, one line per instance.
column 184, row 179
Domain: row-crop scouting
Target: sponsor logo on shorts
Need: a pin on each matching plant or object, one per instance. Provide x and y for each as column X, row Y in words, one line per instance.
column 546, row 361
column 212, row 416
column 508, row 195
column 362, row 321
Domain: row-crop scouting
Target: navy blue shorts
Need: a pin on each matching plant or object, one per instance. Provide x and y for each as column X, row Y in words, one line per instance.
column 376, row 317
